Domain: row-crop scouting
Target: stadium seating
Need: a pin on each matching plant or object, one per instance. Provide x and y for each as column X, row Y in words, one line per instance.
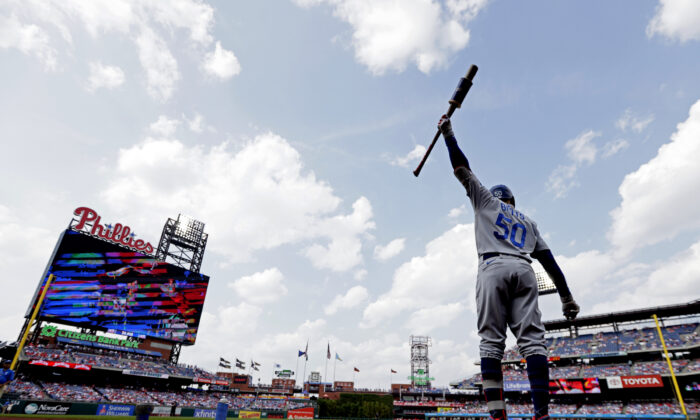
column 68, row 392
column 626, row 340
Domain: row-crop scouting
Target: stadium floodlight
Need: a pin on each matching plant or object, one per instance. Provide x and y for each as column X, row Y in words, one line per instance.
column 183, row 242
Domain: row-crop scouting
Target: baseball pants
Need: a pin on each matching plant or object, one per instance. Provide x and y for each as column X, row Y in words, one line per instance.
column 506, row 296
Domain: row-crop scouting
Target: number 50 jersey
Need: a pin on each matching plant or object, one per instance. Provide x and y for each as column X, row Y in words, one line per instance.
column 498, row 226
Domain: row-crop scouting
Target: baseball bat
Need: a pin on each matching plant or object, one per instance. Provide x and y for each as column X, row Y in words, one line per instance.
column 456, row 102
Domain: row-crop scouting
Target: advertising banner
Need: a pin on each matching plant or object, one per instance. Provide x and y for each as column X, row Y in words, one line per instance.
column 574, row 386
column 641, row 381
column 40, row 407
column 50, row 363
column 301, row 413
column 146, row 374
column 203, row 413
column 516, row 386
column 240, row 379
column 248, row 414
column 164, row 410
column 115, row 410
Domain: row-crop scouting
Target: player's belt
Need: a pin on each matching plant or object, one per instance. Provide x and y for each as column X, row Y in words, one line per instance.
column 485, row 256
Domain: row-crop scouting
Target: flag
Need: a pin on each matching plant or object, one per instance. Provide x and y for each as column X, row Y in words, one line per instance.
column 224, row 365
column 393, row 371
column 328, row 354
column 338, row 357
column 256, row 364
column 301, row 353
column 239, row 361
column 357, row 370
column 255, row 368
column 222, row 360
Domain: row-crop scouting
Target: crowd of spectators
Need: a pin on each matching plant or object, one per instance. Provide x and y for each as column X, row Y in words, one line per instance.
column 522, row 407
column 665, row 407
column 600, row 371
column 26, row 389
column 601, row 408
column 116, row 360
column 659, row 367
column 625, row 340
column 557, row 372
column 68, row 392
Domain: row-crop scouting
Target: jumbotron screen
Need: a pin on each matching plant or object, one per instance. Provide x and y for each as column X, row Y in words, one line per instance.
column 108, row 287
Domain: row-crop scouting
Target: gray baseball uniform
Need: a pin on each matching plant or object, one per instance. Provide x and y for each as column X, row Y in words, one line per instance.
column 506, row 289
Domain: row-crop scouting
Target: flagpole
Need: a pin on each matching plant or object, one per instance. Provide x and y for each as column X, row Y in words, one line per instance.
column 296, row 371
column 325, row 373
column 334, row 362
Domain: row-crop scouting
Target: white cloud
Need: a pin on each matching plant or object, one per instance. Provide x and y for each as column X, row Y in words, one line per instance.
column 221, row 63
column 147, row 24
column 103, row 76
column 392, row 249
column 255, row 198
column 630, row 121
column 350, row 299
column 669, row 179
column 426, row 320
column 671, row 280
column 159, row 63
column 676, row 19
column 580, row 150
column 343, row 252
column 561, row 180
column 445, row 274
column 457, row 211
column 27, row 38
column 613, row 147
column 414, row 155
column 261, row 288
column 227, row 324
column 360, row 274
column 164, row 126
column 390, row 35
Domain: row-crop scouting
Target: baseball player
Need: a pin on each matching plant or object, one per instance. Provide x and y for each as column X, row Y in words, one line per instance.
column 506, row 288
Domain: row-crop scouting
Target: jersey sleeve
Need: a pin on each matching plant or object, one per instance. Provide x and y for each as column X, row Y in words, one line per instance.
column 478, row 194
column 540, row 244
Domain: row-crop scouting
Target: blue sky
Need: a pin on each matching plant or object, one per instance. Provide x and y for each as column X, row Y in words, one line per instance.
column 291, row 129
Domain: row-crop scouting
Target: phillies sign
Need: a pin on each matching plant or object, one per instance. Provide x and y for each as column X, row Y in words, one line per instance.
column 89, row 222
column 643, row 381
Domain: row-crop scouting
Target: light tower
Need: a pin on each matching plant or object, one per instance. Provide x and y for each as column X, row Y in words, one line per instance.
column 420, row 362
column 182, row 243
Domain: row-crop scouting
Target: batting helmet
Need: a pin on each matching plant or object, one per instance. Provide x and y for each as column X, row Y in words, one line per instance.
column 502, row 192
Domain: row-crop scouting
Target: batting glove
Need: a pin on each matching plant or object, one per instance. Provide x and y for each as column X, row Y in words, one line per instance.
column 569, row 307
column 445, row 126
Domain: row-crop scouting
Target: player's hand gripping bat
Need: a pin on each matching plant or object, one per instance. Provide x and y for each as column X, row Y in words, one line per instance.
column 457, row 98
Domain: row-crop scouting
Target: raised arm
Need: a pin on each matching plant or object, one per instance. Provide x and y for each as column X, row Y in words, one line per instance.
column 569, row 306
column 457, row 158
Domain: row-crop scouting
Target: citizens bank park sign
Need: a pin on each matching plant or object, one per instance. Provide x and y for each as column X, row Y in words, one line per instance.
column 89, row 222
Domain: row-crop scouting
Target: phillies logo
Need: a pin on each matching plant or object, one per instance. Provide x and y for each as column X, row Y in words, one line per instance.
column 118, row 233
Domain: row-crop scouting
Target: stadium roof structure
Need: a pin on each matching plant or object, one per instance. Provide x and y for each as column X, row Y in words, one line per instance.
column 636, row 315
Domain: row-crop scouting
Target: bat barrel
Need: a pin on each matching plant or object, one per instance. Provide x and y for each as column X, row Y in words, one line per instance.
column 465, row 83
